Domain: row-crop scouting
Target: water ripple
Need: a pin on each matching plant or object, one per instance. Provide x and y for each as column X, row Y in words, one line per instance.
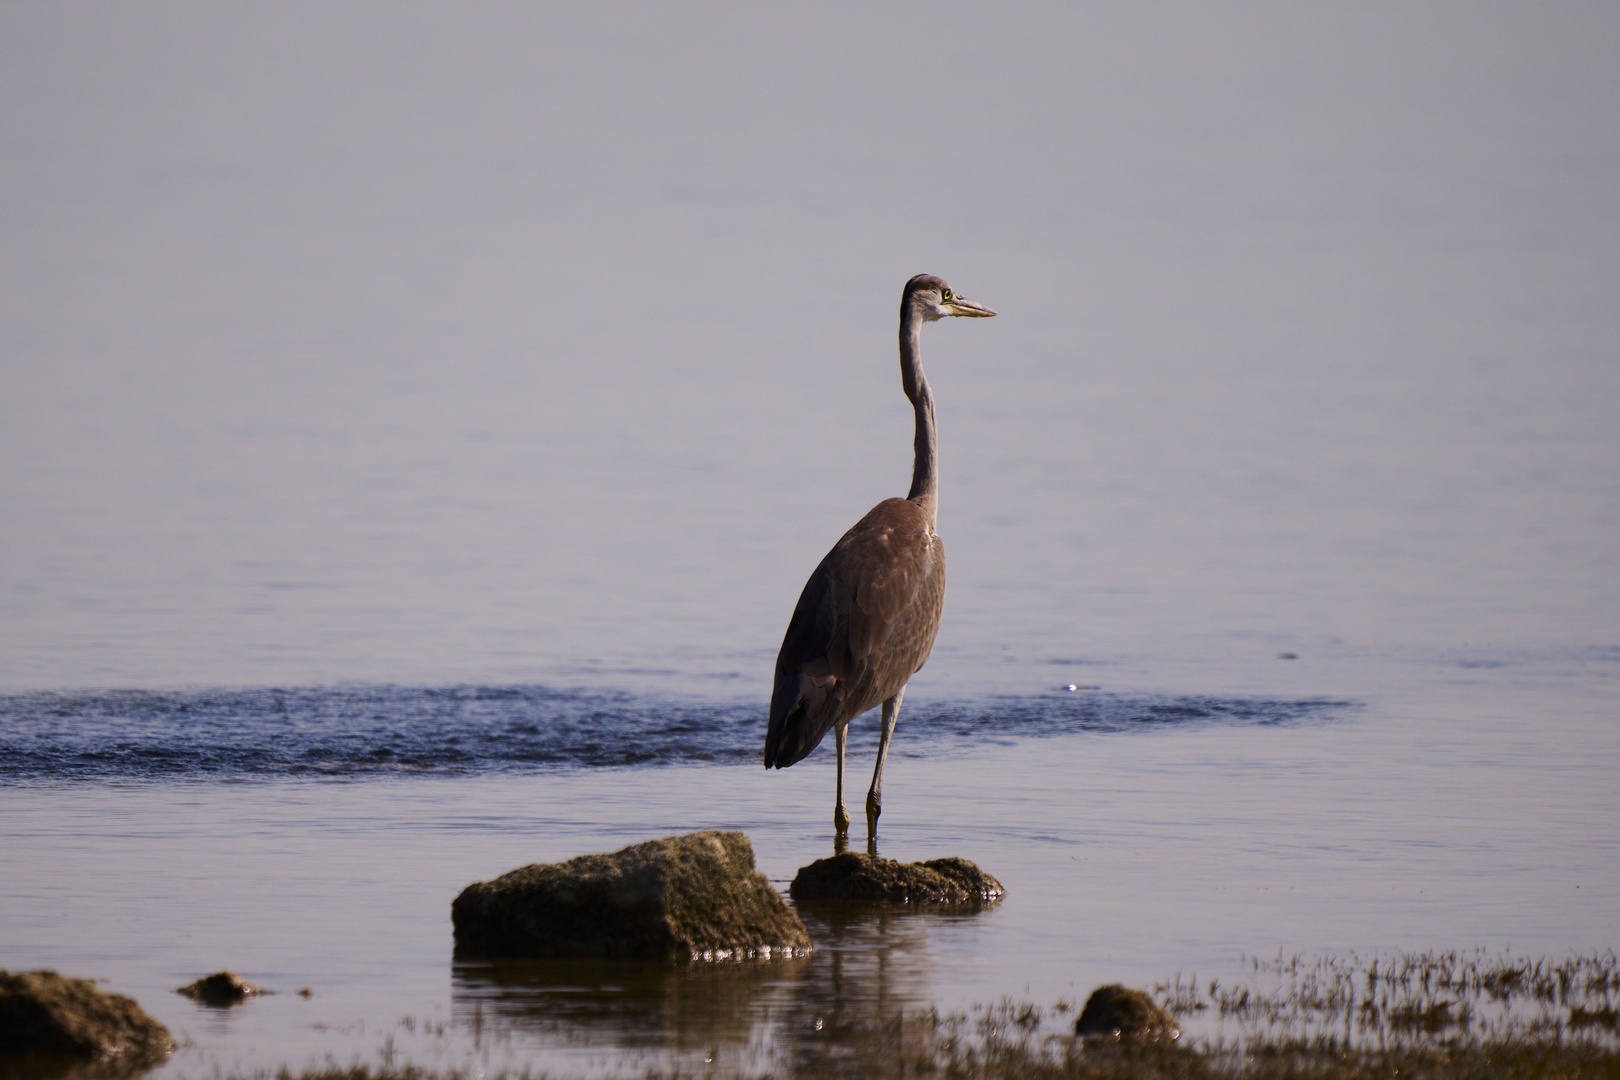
column 367, row 730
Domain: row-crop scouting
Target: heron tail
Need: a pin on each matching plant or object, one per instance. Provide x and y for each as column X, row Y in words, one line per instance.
column 803, row 710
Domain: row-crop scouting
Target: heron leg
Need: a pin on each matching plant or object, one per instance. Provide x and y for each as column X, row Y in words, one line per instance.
column 840, row 815
column 874, row 797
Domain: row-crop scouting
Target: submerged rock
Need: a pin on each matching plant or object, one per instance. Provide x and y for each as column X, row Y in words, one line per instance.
column 868, row 879
column 52, row 1015
column 691, row 897
column 221, row 988
column 1126, row 1015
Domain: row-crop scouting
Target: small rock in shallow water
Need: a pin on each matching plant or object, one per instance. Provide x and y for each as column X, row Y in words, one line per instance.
column 48, row 1014
column 868, row 879
column 221, row 988
column 691, row 897
column 1127, row 1015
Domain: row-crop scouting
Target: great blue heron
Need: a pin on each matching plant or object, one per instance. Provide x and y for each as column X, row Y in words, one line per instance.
column 868, row 615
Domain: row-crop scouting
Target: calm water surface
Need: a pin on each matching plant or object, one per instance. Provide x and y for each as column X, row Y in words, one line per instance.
column 417, row 423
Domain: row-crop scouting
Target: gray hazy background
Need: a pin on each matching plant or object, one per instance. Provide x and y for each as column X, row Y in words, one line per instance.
column 423, row 342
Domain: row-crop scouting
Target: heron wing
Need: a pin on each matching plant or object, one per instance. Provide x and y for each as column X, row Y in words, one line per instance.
column 882, row 572
column 864, row 624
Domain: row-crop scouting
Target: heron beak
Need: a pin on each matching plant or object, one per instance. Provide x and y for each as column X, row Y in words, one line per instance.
column 963, row 306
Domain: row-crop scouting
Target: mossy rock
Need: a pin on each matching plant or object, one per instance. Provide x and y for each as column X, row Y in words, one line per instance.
column 51, row 1015
column 692, row 897
column 1124, row 1014
column 221, row 988
column 860, row 878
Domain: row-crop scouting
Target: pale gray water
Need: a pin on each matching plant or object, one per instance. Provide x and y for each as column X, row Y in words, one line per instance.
column 432, row 345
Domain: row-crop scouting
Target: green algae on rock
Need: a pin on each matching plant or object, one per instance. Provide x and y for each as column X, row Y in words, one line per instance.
column 694, row 897
column 861, row 878
column 52, row 1015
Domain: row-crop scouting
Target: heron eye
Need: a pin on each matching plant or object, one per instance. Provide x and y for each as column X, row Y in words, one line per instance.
column 947, row 295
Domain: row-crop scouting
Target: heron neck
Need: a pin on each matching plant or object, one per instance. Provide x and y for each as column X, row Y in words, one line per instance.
column 925, row 470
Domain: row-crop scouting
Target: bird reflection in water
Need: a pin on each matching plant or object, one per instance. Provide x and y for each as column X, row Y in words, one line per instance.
column 849, row 999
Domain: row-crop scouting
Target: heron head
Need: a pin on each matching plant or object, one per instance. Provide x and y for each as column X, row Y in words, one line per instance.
column 936, row 300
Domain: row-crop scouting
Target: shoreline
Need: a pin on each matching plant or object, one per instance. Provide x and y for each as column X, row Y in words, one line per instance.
column 1439, row 1014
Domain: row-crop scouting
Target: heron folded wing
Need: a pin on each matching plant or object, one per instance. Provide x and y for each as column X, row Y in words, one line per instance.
column 864, row 624
column 887, row 578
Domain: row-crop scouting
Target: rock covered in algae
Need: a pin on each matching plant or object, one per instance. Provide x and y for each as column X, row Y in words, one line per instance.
column 221, row 988
column 869, row 879
column 53, row 1015
column 691, row 897
column 1127, row 1015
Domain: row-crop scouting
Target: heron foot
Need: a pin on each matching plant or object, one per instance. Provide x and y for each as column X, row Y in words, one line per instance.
column 841, row 819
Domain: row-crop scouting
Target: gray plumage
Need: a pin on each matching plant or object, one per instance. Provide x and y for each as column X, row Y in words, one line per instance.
column 867, row 618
